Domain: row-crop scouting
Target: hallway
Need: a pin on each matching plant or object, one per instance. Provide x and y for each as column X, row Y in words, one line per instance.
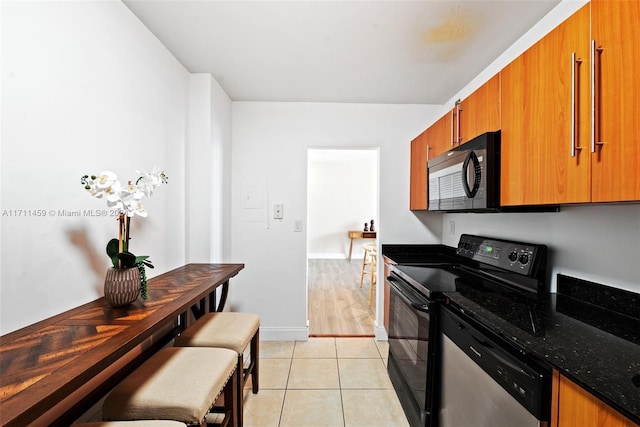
column 338, row 306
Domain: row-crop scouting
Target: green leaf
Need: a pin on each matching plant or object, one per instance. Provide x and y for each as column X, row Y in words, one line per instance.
column 127, row 259
column 113, row 247
column 144, row 260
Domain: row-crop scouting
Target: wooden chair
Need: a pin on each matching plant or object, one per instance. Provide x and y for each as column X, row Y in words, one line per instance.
column 370, row 260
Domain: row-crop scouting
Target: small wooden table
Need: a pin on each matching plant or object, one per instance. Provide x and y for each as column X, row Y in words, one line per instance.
column 359, row 235
column 54, row 370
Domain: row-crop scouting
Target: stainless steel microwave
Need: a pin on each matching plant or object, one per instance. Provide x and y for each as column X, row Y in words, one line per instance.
column 466, row 178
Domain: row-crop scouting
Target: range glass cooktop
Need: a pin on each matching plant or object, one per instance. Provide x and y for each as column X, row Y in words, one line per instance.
column 524, row 311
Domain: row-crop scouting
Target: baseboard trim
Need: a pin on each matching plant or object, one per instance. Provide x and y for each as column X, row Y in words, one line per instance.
column 381, row 333
column 334, row 256
column 341, row 335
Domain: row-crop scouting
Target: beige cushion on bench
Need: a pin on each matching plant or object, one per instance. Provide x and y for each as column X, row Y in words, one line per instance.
column 229, row 330
column 143, row 423
column 177, row 383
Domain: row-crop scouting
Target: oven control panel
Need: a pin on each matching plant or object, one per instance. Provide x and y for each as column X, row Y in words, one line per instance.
column 517, row 257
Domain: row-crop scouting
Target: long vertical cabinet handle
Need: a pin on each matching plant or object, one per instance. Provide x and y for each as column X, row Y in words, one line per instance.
column 458, row 110
column 594, row 98
column 574, row 62
column 452, row 136
column 428, row 151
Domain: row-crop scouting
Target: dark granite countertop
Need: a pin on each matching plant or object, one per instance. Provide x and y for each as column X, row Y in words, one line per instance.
column 604, row 364
column 588, row 332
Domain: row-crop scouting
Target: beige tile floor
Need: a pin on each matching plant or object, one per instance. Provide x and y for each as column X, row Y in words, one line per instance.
column 323, row 382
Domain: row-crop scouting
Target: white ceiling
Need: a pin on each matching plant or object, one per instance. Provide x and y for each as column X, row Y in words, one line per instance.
column 366, row 51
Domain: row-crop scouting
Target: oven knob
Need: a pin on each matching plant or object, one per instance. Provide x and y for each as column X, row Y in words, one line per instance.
column 513, row 256
column 524, row 259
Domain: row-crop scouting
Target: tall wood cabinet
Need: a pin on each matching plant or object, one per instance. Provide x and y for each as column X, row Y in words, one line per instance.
column 545, row 131
column 573, row 406
column 616, row 40
column 570, row 132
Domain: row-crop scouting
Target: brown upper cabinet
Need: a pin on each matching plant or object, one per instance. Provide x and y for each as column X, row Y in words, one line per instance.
column 478, row 113
column 616, row 46
column 430, row 143
column 570, row 132
column 418, row 173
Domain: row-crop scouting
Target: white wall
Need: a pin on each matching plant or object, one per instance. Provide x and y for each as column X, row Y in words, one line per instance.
column 342, row 194
column 270, row 142
column 208, row 174
column 593, row 242
column 85, row 87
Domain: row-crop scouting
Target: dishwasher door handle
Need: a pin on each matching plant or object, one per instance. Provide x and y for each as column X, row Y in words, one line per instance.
column 488, row 349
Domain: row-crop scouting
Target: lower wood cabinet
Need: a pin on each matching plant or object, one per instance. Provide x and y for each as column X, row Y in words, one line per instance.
column 573, row 406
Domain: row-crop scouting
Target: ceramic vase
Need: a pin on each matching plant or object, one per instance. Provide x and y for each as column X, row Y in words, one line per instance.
column 122, row 286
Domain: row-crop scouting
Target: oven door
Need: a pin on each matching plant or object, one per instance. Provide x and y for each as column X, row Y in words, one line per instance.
column 412, row 350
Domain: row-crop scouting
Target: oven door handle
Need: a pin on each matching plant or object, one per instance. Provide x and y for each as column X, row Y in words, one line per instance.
column 397, row 286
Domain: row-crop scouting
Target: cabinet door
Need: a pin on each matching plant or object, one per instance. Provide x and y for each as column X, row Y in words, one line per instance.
column 577, row 407
column 538, row 163
column 439, row 136
column 418, row 173
column 616, row 161
column 430, row 143
column 480, row 111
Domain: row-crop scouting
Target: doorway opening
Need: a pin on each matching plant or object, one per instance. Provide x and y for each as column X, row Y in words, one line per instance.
column 342, row 195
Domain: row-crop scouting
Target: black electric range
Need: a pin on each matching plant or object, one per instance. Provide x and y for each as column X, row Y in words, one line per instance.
column 586, row 331
column 505, row 277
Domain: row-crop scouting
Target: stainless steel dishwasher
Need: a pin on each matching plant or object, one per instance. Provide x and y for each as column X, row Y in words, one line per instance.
column 485, row 384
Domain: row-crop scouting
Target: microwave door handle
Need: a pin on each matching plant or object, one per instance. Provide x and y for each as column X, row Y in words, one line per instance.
column 477, row 175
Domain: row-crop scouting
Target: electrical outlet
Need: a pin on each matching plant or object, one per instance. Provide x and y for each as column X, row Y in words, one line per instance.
column 452, row 227
column 278, row 211
column 297, row 225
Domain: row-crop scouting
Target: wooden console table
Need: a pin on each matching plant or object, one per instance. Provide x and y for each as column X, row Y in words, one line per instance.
column 359, row 235
column 51, row 372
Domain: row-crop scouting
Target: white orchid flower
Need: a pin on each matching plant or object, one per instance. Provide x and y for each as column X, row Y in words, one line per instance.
column 136, row 208
column 150, row 180
column 105, row 179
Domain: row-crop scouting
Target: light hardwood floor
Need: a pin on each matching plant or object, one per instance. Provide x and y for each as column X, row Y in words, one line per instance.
column 338, row 306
